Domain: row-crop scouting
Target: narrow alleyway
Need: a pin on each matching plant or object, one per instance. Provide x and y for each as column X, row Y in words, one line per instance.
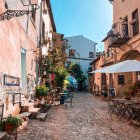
column 87, row 120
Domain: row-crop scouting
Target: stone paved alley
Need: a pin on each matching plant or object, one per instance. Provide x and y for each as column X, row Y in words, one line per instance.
column 87, row 120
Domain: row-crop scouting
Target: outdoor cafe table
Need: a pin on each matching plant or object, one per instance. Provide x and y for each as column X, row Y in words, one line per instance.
column 122, row 105
column 136, row 111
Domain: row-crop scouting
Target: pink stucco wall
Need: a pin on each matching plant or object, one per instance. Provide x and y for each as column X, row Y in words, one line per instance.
column 126, row 51
column 13, row 37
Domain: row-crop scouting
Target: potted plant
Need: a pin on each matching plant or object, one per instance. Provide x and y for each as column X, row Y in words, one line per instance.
column 133, row 89
column 10, row 123
column 127, row 93
column 41, row 91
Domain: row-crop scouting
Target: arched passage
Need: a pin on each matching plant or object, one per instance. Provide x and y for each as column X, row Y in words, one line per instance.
column 131, row 77
column 130, row 55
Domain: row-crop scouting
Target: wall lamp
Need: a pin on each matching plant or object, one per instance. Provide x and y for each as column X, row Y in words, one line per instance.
column 8, row 14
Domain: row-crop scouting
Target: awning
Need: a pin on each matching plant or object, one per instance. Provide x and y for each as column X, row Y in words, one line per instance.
column 124, row 66
column 72, row 79
column 66, row 82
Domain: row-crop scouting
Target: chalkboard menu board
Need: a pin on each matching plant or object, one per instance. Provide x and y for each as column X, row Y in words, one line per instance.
column 111, row 92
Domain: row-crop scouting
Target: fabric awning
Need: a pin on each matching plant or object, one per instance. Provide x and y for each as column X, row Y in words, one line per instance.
column 72, row 79
column 124, row 66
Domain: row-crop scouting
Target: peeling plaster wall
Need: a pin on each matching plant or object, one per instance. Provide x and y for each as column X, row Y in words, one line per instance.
column 13, row 37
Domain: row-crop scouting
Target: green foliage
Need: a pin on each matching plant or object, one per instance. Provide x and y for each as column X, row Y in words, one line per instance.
column 137, row 85
column 47, row 65
column 41, row 90
column 61, row 74
column 16, row 121
column 1, row 126
column 126, row 91
column 76, row 70
column 132, row 88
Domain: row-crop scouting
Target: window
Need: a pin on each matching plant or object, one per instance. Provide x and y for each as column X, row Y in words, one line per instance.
column 71, row 53
column 135, row 23
column 33, row 14
column 109, row 53
column 125, row 32
column 43, row 29
column 91, row 55
column 120, row 79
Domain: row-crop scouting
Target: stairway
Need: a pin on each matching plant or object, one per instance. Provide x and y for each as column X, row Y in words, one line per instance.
column 29, row 111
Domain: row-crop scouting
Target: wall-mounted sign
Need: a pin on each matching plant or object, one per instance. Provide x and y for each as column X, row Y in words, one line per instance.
column 11, row 80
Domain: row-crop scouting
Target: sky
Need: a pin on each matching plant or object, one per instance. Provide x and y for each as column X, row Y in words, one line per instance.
column 90, row 18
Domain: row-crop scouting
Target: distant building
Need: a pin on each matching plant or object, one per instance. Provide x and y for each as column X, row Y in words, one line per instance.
column 82, row 51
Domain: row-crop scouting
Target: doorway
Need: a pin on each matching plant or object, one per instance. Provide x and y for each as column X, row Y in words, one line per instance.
column 110, row 80
column 23, row 72
column 103, row 80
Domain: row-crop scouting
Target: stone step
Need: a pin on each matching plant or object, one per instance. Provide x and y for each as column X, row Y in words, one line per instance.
column 34, row 112
column 41, row 116
column 24, row 125
column 24, row 115
column 26, row 107
column 3, row 135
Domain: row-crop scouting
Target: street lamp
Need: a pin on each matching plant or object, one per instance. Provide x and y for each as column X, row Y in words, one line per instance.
column 8, row 14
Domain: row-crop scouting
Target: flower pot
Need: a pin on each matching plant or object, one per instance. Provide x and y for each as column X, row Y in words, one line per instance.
column 128, row 97
column 9, row 127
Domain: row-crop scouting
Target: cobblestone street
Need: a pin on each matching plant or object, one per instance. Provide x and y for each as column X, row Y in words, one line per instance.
column 87, row 120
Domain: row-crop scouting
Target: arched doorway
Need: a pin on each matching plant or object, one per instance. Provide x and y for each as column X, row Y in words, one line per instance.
column 132, row 55
column 103, row 80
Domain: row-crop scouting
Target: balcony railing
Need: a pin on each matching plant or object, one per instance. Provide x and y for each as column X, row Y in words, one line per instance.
column 118, row 35
column 107, row 57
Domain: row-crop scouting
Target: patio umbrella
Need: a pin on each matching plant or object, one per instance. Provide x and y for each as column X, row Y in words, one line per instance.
column 124, row 66
column 72, row 79
column 66, row 82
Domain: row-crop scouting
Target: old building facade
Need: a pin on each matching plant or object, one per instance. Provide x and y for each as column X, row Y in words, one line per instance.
column 82, row 51
column 21, row 42
column 122, row 43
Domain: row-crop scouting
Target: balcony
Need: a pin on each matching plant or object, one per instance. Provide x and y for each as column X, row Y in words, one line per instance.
column 118, row 35
column 107, row 57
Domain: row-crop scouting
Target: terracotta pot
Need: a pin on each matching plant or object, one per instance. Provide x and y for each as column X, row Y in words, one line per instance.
column 128, row 97
column 9, row 127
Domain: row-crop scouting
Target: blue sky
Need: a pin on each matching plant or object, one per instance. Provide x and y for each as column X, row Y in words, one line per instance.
column 90, row 18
